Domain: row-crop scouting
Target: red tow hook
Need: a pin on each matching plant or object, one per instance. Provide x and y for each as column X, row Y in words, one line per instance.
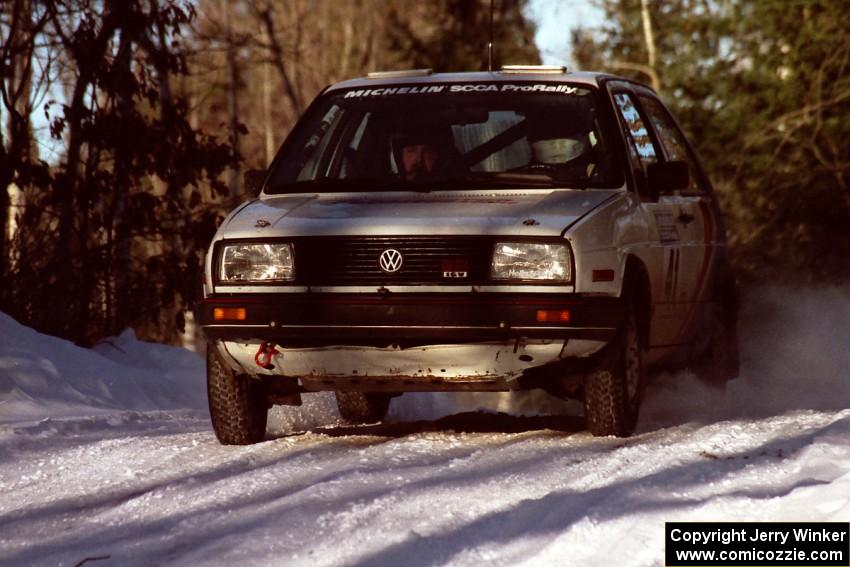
column 263, row 358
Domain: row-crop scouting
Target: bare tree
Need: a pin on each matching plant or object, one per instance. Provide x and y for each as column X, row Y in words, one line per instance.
column 20, row 27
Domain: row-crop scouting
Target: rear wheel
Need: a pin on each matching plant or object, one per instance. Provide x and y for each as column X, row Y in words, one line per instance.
column 719, row 360
column 362, row 407
column 238, row 405
column 612, row 394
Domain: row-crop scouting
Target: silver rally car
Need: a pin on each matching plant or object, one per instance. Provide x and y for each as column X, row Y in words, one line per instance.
column 495, row 231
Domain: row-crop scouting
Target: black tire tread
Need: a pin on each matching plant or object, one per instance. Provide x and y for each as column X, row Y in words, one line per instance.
column 605, row 404
column 237, row 403
column 607, row 408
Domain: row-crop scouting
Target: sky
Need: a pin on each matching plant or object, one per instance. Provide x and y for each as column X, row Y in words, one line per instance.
column 555, row 19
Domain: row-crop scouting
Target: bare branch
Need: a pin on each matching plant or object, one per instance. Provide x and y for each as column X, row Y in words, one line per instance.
column 265, row 15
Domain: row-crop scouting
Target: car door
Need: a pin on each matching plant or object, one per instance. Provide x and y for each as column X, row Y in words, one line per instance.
column 694, row 212
column 662, row 253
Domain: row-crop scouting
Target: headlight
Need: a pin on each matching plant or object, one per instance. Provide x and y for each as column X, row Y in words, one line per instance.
column 256, row 263
column 531, row 261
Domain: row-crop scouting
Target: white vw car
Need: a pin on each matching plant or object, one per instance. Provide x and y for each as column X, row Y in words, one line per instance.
column 527, row 228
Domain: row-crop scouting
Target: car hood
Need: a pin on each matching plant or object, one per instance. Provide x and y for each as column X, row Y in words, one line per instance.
column 516, row 213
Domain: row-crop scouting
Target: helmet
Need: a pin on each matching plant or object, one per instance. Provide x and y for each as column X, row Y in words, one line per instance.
column 555, row 151
column 555, row 140
column 412, row 133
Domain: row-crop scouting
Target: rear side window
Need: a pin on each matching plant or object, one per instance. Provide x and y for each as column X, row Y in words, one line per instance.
column 672, row 140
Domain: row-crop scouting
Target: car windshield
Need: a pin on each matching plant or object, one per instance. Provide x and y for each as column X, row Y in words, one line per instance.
column 447, row 136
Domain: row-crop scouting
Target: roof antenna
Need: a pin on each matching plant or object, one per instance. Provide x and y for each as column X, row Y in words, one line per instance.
column 490, row 45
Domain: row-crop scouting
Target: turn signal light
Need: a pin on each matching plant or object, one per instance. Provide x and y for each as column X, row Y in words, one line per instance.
column 603, row 275
column 559, row 316
column 229, row 313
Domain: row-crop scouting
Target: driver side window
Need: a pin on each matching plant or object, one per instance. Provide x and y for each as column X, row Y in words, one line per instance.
column 642, row 150
column 673, row 140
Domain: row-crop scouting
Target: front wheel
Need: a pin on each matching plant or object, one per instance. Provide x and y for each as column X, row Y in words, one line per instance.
column 361, row 407
column 612, row 394
column 238, row 405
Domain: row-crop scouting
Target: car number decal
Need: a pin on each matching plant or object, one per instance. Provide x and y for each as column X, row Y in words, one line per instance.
column 667, row 231
column 672, row 276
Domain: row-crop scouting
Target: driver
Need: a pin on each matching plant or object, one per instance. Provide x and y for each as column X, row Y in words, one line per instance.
column 418, row 160
column 424, row 153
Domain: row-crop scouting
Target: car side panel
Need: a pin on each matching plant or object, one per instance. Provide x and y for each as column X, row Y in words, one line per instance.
column 697, row 260
column 625, row 228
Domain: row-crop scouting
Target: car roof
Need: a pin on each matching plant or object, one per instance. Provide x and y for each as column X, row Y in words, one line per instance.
column 581, row 77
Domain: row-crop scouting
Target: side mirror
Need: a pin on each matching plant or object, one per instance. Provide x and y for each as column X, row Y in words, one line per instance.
column 668, row 176
column 253, row 180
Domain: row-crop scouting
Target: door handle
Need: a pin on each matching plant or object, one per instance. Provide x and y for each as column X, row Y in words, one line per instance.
column 685, row 218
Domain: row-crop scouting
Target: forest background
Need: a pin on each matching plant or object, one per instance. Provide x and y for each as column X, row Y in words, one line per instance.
column 125, row 126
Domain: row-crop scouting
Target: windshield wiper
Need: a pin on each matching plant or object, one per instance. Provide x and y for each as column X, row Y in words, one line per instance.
column 328, row 185
column 528, row 180
column 505, row 179
column 511, row 178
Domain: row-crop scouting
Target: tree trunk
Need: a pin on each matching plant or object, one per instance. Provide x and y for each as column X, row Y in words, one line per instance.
column 278, row 60
column 348, row 33
column 233, row 103
column 20, row 153
column 69, row 312
column 268, row 124
column 116, row 275
column 5, row 237
column 649, row 39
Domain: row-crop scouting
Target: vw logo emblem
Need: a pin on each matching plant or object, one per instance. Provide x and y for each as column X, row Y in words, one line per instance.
column 390, row 260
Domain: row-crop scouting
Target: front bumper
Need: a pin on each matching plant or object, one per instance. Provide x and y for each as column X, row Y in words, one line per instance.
column 313, row 319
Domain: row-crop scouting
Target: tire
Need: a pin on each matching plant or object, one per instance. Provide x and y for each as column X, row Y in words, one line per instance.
column 719, row 361
column 360, row 407
column 612, row 394
column 238, row 405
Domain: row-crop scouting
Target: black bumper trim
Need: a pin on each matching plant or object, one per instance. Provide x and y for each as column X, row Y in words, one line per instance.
column 333, row 318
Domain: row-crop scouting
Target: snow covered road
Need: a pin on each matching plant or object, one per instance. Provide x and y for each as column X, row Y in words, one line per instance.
column 142, row 481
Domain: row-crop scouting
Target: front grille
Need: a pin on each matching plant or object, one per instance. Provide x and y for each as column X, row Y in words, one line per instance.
column 354, row 260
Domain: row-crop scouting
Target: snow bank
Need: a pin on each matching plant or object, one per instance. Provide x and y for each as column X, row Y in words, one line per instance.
column 795, row 355
column 43, row 376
